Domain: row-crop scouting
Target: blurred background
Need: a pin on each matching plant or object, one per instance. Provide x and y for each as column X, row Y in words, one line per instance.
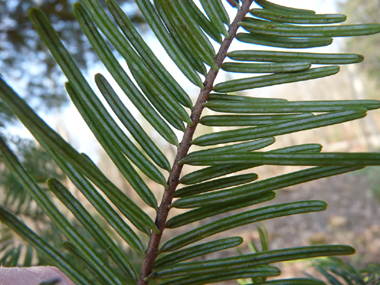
column 354, row 199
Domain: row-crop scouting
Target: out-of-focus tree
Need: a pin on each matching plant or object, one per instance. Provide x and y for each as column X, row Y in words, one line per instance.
column 368, row 11
column 40, row 166
column 24, row 58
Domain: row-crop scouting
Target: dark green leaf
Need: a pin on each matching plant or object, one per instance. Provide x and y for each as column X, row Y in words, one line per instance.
column 157, row 103
column 202, row 21
column 146, row 53
column 258, row 271
column 293, row 281
column 220, row 170
column 275, row 79
column 212, row 172
column 215, row 185
column 244, row 218
column 217, row 171
column 197, row 250
column 189, row 33
column 75, row 253
column 279, row 129
column 246, row 191
column 193, row 55
column 100, row 204
column 184, row 12
column 114, row 132
column 210, row 211
column 238, row 147
column 218, row 96
column 284, row 42
column 323, row 159
column 92, row 226
column 285, row 30
column 113, row 149
column 281, row 56
column 74, row 75
column 221, row 11
column 250, row 120
column 281, row 16
column 213, row 12
column 131, row 123
column 265, row 67
column 167, row 41
column 51, row 39
column 133, row 59
column 122, row 45
column 255, row 259
column 290, row 107
column 272, row 6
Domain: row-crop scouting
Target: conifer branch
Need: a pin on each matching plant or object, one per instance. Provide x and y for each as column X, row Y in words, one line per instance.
column 163, row 211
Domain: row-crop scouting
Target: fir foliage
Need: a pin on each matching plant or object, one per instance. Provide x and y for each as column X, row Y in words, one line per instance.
column 186, row 32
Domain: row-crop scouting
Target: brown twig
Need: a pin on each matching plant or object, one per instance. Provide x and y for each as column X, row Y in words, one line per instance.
column 162, row 214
